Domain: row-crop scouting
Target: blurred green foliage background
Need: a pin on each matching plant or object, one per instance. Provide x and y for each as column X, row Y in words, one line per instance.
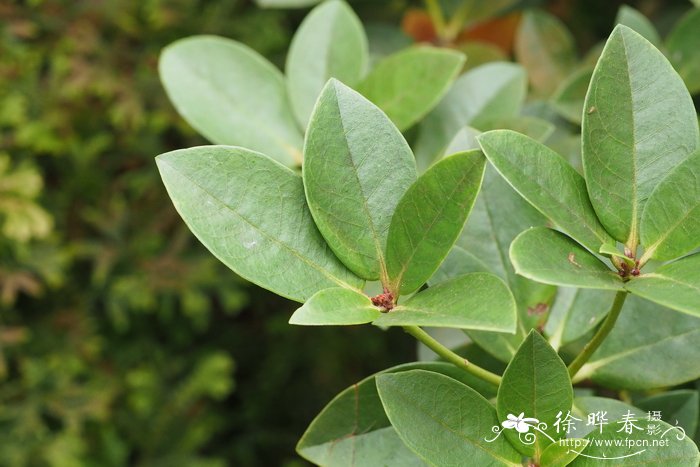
column 122, row 340
column 120, row 336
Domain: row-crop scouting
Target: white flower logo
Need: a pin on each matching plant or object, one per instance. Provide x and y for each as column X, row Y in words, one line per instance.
column 520, row 423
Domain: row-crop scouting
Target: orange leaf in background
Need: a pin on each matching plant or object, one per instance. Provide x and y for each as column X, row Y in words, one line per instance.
column 499, row 32
column 418, row 25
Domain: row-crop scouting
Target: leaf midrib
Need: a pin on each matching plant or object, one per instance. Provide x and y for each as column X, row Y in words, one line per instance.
column 428, row 230
column 545, row 188
column 633, row 235
column 365, row 208
column 671, row 229
column 661, row 276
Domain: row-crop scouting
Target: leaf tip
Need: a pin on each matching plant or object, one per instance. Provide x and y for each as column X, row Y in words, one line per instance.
column 162, row 161
column 628, row 32
column 294, row 319
column 333, row 83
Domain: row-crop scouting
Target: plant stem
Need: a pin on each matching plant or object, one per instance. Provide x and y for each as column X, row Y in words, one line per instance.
column 460, row 16
column 452, row 357
column 436, row 15
column 600, row 334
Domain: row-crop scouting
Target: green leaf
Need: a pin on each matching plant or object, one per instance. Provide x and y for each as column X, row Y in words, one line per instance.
column 353, row 426
column 635, row 20
column 536, row 383
column 484, row 94
column 649, row 347
column 385, row 39
column 584, row 405
column 473, row 301
column 680, row 407
column 533, row 301
column 613, row 408
column 430, row 217
column 683, row 46
column 480, row 53
column 536, row 128
column 250, row 212
column 575, row 313
column 231, row 95
column 570, row 96
column 612, row 250
column 330, row 43
column 546, row 49
column 548, row 256
column 548, row 182
column 357, row 166
column 443, row 421
column 336, row 306
column 408, row 84
column 671, row 219
column 559, row 455
column 608, row 443
column 457, row 263
column 675, row 285
column 639, row 124
column 285, row 3
column 464, row 140
column 499, row 215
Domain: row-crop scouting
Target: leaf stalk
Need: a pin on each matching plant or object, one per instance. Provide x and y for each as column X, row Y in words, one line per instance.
column 436, row 16
column 452, row 357
column 600, row 334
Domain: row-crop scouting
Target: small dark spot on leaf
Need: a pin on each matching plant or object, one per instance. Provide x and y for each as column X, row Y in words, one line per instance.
column 572, row 260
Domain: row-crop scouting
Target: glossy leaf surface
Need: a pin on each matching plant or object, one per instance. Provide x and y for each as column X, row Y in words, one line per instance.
column 548, row 256
column 430, row 217
column 640, row 123
column 336, row 306
column 548, row 182
column 357, row 166
column 536, row 383
column 473, row 301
